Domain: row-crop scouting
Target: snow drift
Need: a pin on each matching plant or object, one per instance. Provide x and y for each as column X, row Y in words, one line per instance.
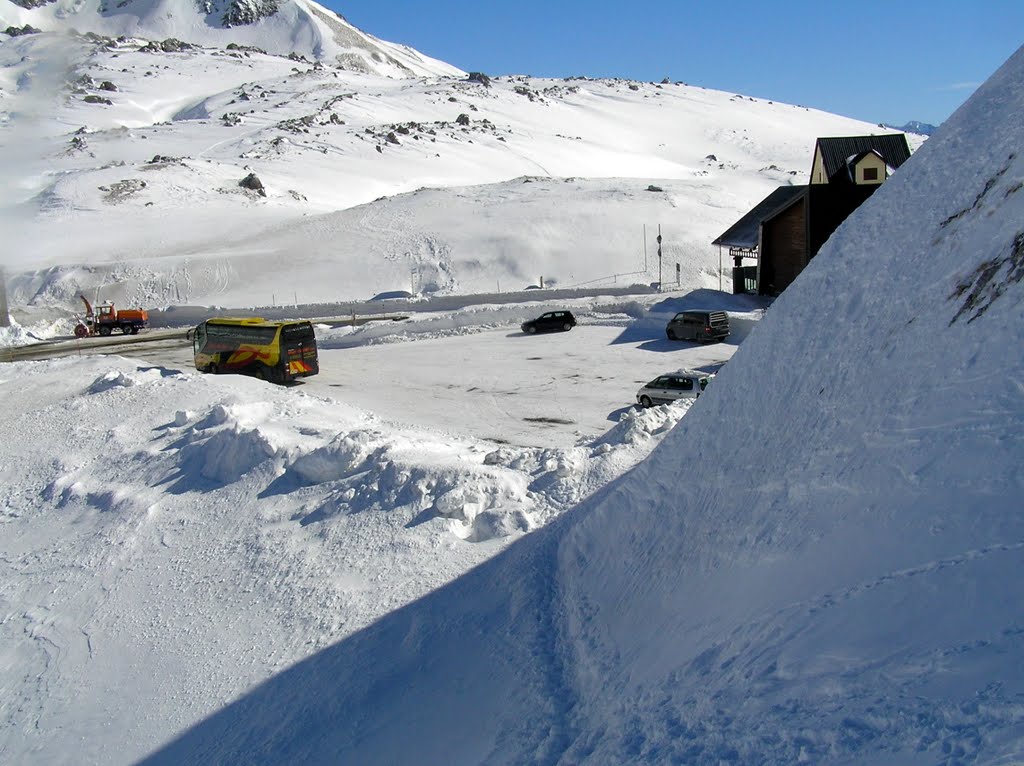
column 819, row 564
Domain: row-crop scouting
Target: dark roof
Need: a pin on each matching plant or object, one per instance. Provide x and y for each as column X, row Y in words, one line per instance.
column 892, row 147
column 744, row 233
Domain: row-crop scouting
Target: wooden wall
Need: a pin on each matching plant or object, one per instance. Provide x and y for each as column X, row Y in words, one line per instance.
column 783, row 248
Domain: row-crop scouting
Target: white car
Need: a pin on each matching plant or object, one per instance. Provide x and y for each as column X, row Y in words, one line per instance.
column 681, row 384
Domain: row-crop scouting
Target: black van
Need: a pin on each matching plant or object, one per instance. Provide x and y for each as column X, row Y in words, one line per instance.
column 699, row 326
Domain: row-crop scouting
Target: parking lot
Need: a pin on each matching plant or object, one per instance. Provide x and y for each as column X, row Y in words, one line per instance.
column 501, row 385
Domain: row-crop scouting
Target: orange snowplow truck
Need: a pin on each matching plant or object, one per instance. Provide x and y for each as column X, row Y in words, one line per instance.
column 105, row 319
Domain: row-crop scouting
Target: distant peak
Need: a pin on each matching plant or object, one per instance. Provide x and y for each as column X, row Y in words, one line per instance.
column 235, row 13
column 914, row 126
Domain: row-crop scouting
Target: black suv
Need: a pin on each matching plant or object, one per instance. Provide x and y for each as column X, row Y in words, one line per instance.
column 552, row 320
column 700, row 326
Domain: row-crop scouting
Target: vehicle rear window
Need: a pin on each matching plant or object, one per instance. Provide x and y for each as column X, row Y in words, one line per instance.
column 303, row 331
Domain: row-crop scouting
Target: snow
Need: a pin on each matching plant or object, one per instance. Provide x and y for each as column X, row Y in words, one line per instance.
column 478, row 189
column 462, row 544
column 182, row 514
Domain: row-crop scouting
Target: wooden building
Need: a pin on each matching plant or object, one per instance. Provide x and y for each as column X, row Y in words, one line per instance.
column 776, row 240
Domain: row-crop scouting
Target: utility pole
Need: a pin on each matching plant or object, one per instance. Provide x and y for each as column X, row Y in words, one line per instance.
column 659, row 257
column 5, row 318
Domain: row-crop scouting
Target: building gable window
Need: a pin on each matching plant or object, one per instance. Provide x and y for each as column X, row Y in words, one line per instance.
column 870, row 174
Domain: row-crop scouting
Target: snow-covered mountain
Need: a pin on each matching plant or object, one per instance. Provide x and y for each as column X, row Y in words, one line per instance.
column 918, row 127
column 299, row 28
column 820, row 564
column 163, row 158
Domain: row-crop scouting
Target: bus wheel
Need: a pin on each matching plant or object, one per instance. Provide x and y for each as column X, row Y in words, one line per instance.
column 212, row 368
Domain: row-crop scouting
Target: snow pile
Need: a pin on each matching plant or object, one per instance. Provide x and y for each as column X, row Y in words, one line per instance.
column 116, row 379
column 16, row 335
column 207, row 531
column 24, row 334
column 819, row 564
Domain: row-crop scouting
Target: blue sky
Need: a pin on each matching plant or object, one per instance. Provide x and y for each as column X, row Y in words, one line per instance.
column 877, row 61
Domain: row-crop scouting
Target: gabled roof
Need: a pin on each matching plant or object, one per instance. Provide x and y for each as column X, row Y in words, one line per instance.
column 745, row 232
column 891, row 147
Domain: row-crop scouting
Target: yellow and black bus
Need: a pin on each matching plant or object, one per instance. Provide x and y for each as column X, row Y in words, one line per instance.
column 276, row 351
